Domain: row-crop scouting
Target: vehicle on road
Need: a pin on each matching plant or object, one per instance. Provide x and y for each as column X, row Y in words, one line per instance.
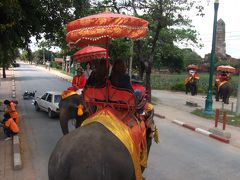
column 29, row 94
column 15, row 64
column 48, row 102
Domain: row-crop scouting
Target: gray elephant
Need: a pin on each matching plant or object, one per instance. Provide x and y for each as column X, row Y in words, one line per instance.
column 69, row 110
column 191, row 86
column 224, row 92
column 93, row 152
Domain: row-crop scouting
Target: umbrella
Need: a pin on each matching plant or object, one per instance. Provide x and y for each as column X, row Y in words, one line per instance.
column 229, row 69
column 192, row 66
column 103, row 27
column 89, row 53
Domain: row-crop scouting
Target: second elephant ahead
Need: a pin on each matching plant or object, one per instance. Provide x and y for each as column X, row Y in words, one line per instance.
column 224, row 91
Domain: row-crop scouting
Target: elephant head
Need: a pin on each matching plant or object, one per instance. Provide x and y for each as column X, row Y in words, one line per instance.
column 69, row 110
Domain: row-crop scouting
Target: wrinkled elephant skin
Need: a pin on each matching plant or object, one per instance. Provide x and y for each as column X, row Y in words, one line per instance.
column 90, row 152
column 224, row 92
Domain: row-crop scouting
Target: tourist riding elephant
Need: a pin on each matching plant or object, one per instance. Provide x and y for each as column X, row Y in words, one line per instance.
column 69, row 110
column 224, row 92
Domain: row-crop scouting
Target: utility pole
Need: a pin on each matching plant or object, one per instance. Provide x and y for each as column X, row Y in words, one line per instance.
column 43, row 56
column 209, row 101
column 130, row 60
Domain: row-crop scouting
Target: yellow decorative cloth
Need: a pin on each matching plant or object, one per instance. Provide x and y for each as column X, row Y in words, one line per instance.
column 222, row 83
column 148, row 107
column 67, row 93
column 187, row 79
column 120, row 130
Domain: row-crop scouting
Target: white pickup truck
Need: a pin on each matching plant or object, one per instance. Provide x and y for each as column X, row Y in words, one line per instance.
column 49, row 102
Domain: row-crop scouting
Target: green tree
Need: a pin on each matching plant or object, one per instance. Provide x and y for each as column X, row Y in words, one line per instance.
column 22, row 19
column 168, row 24
column 191, row 57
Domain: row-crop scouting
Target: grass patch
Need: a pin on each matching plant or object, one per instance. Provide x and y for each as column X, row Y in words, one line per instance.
column 175, row 82
column 232, row 119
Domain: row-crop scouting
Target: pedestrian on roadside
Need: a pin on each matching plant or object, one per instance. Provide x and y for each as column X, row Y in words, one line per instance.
column 10, row 128
column 11, row 109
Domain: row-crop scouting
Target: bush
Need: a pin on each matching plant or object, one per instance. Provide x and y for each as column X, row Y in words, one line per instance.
column 178, row 87
column 54, row 64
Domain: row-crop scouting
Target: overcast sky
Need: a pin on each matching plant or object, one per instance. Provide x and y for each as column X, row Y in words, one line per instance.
column 229, row 12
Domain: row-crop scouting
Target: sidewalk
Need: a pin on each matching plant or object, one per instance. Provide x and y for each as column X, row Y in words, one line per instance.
column 181, row 114
column 6, row 159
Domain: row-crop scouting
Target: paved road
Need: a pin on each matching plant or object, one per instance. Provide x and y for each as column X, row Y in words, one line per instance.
column 181, row 154
column 40, row 132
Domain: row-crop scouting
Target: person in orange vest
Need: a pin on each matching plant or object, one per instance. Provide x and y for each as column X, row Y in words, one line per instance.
column 191, row 80
column 79, row 80
column 10, row 128
column 11, row 109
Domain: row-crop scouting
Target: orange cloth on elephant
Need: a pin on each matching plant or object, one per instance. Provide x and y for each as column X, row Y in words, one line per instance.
column 12, row 111
column 190, row 77
column 187, row 79
column 217, row 81
column 196, row 76
column 79, row 82
column 10, row 123
column 220, row 79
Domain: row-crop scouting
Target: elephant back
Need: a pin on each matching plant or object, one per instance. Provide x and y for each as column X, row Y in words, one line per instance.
column 96, row 151
column 225, row 87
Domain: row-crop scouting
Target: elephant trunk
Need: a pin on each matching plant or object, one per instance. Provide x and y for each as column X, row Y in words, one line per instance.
column 64, row 121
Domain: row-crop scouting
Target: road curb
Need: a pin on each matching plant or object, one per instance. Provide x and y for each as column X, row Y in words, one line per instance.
column 17, row 160
column 202, row 131
column 159, row 116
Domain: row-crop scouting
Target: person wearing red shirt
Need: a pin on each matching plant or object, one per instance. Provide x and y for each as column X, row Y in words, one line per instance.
column 79, row 80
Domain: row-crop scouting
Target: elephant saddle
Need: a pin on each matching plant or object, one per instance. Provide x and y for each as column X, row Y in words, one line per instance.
column 131, row 132
column 191, row 78
column 220, row 84
column 67, row 93
column 187, row 79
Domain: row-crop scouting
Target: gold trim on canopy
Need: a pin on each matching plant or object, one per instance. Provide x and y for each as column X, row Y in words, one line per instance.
column 104, row 27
